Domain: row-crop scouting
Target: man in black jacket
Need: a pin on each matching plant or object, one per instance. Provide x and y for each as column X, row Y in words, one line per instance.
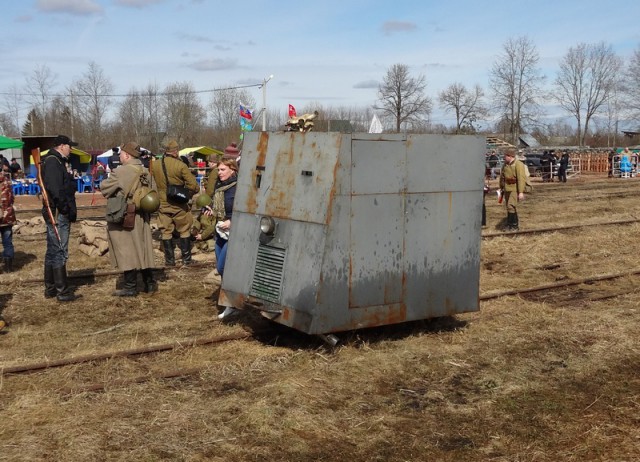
column 60, row 187
column 546, row 163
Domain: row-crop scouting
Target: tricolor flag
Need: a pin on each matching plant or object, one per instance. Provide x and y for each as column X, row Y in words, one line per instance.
column 245, row 113
column 246, row 117
column 292, row 111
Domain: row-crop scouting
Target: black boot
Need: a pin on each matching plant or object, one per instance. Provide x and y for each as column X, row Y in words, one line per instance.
column 8, row 264
column 512, row 221
column 185, row 248
column 169, row 255
column 49, row 282
column 150, row 284
column 63, row 292
column 130, row 287
column 516, row 225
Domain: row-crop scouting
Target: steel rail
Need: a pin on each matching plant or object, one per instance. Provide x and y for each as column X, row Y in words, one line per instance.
column 149, row 349
column 556, row 285
column 558, row 228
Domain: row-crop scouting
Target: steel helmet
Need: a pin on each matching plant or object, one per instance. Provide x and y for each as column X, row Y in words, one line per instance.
column 203, row 200
column 150, row 203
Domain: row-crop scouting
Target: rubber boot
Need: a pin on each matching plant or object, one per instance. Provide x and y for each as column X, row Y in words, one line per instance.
column 185, row 248
column 169, row 255
column 63, row 292
column 49, row 282
column 8, row 264
column 150, row 284
column 130, row 287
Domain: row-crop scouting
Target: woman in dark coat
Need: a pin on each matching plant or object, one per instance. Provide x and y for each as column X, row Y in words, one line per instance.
column 222, row 210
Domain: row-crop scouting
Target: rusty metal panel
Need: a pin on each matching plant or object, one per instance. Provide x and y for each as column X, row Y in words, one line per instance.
column 286, row 175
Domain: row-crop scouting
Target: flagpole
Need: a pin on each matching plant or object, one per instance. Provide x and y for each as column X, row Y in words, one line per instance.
column 264, row 102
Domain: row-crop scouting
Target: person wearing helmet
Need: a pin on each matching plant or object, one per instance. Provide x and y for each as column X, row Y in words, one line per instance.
column 131, row 250
column 204, row 227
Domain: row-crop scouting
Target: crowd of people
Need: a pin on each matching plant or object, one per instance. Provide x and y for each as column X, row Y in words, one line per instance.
column 174, row 186
column 514, row 174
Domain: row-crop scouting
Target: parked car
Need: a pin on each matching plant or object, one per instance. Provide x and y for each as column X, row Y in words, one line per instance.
column 532, row 161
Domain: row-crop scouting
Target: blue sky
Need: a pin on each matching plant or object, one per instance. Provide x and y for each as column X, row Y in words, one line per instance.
column 331, row 52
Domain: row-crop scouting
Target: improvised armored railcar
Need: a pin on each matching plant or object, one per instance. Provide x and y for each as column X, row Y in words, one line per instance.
column 333, row 232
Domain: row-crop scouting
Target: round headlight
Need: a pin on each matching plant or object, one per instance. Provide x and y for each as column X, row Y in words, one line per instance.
column 267, row 225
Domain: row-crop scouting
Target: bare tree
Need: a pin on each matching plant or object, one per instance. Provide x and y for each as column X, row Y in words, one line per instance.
column 224, row 109
column 184, row 116
column 516, row 84
column 402, row 97
column 467, row 105
column 585, row 81
column 138, row 118
column 7, row 126
column 91, row 100
column 631, row 86
column 38, row 88
column 11, row 103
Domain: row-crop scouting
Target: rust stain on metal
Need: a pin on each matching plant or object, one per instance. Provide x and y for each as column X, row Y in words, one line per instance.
column 332, row 193
column 263, row 144
column 392, row 314
column 280, row 201
column 286, row 314
column 251, row 203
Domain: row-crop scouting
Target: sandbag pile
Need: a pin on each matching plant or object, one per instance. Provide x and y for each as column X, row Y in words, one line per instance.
column 92, row 239
column 30, row 226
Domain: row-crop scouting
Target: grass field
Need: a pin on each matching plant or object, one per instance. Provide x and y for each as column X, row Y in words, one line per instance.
column 549, row 375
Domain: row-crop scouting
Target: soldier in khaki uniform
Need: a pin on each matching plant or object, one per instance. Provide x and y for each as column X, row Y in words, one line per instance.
column 173, row 216
column 130, row 250
column 512, row 183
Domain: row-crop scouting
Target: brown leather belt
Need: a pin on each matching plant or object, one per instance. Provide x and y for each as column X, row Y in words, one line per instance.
column 510, row 180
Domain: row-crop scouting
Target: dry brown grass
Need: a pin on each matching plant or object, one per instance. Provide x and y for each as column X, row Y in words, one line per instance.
column 538, row 377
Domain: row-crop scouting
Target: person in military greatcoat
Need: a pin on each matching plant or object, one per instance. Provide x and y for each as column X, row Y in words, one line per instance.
column 173, row 216
column 130, row 250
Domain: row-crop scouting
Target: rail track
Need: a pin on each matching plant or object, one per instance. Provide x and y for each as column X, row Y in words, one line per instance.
column 246, row 335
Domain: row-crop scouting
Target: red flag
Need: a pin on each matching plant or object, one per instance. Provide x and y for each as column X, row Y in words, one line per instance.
column 292, row 111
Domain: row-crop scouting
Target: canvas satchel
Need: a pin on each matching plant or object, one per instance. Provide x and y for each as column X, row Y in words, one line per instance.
column 175, row 193
column 118, row 208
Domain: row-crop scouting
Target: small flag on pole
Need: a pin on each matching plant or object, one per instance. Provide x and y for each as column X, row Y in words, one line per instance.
column 246, row 118
column 292, row 111
column 376, row 126
column 245, row 113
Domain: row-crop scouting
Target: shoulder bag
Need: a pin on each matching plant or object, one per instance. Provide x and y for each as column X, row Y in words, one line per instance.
column 175, row 193
column 119, row 211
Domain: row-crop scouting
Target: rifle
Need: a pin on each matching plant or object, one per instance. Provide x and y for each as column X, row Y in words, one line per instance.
column 35, row 153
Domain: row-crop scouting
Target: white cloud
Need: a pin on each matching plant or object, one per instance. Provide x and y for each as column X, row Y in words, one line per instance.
column 75, row 7
column 137, row 3
column 391, row 27
column 214, row 64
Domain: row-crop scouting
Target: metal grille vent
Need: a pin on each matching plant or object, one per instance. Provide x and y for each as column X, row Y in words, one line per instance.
column 267, row 277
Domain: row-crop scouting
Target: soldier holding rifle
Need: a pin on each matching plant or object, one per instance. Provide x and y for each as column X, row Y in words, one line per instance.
column 59, row 211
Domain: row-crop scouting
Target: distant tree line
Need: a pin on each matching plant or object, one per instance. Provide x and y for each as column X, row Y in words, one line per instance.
column 592, row 85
